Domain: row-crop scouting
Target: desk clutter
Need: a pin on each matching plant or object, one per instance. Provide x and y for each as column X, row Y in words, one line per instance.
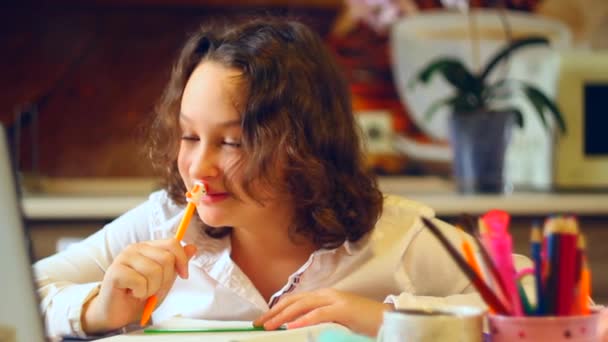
column 558, row 308
column 555, row 307
column 561, row 275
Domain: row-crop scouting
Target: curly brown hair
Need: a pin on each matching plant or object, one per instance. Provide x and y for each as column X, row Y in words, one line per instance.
column 296, row 115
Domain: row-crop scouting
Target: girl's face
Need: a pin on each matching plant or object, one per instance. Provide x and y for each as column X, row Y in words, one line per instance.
column 211, row 148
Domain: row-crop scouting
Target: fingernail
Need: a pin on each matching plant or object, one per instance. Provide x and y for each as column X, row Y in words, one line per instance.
column 267, row 326
column 185, row 271
column 182, row 274
column 293, row 325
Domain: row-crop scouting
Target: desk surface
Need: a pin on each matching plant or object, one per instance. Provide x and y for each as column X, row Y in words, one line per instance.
column 434, row 192
column 306, row 334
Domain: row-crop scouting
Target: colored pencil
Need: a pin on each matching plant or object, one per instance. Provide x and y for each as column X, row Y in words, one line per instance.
column 585, row 286
column 525, row 303
column 535, row 246
column 552, row 228
column 467, row 251
column 567, row 263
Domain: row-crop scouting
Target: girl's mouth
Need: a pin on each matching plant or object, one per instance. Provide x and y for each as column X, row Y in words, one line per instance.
column 211, row 198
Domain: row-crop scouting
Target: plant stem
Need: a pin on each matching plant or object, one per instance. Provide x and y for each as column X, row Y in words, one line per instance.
column 508, row 33
column 474, row 39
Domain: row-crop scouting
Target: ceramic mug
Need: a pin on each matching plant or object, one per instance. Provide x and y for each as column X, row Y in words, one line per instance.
column 448, row 323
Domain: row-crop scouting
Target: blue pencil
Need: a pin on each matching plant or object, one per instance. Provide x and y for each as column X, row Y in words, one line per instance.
column 551, row 233
column 535, row 245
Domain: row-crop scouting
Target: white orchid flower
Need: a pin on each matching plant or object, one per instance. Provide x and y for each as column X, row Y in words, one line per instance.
column 381, row 14
column 461, row 5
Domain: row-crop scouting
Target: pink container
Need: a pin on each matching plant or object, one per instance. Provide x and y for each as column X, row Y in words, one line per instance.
column 544, row 328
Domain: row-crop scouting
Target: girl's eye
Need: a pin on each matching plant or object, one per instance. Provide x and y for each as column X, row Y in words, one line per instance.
column 231, row 143
column 189, row 138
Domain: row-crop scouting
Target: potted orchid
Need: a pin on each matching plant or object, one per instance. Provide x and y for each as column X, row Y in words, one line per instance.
column 480, row 130
column 482, row 117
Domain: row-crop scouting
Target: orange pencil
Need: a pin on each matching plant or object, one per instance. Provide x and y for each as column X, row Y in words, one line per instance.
column 193, row 197
column 467, row 250
column 585, row 292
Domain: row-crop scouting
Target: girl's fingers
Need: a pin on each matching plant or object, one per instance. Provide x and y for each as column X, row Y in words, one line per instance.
column 296, row 310
column 317, row 316
column 277, row 308
column 148, row 269
column 174, row 247
column 190, row 251
column 124, row 277
column 165, row 259
column 156, row 262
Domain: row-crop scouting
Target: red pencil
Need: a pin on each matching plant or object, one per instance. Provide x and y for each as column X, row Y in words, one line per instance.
column 566, row 287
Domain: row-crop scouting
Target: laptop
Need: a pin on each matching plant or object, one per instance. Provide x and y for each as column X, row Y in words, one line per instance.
column 20, row 317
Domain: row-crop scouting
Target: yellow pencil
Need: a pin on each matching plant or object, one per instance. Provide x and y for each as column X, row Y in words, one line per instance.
column 193, row 197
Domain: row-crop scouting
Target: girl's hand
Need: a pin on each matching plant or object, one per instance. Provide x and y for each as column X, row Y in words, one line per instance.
column 359, row 314
column 139, row 271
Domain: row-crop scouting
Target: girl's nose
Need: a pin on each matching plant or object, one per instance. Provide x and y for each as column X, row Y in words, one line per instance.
column 204, row 165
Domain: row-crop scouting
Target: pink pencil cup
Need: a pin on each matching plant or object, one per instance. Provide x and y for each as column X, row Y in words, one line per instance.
column 544, row 328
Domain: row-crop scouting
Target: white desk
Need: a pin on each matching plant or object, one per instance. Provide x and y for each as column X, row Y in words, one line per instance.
column 308, row 334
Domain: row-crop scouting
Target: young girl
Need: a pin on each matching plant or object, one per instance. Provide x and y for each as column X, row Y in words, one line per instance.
column 291, row 229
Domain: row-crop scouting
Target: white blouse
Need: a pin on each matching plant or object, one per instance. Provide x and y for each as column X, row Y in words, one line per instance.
column 400, row 262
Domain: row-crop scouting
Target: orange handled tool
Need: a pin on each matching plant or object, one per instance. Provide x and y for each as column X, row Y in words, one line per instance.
column 193, row 197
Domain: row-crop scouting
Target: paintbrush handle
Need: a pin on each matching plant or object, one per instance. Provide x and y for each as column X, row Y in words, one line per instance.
column 485, row 292
column 493, row 270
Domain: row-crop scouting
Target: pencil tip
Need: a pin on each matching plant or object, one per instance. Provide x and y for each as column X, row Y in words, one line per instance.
column 148, row 309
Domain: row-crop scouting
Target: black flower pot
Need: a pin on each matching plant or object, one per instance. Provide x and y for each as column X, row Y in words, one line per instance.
column 479, row 141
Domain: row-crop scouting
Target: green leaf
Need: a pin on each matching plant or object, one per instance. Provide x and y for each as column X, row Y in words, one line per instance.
column 436, row 105
column 454, row 72
column 497, row 91
column 540, row 102
column 507, row 50
column 519, row 117
column 537, row 103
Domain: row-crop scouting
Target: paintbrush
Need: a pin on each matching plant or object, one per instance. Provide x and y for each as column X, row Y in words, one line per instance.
column 486, row 293
column 468, row 223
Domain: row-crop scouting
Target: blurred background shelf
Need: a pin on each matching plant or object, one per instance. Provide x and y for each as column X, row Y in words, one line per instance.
column 105, row 199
